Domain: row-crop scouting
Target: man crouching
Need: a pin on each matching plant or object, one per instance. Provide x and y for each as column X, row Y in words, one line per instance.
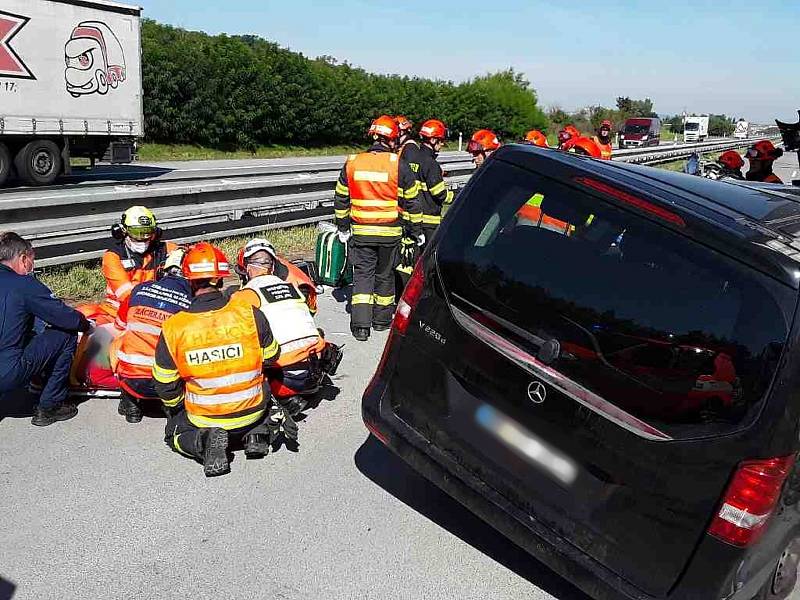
column 305, row 355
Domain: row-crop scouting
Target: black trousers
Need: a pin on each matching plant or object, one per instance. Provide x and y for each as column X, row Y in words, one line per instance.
column 373, row 283
column 186, row 438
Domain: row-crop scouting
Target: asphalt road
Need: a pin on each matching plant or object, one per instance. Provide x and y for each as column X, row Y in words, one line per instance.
column 97, row 508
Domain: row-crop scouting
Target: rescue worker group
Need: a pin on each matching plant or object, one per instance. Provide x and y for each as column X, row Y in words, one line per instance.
column 232, row 367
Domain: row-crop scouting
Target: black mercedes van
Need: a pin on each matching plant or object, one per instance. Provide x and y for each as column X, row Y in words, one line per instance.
column 602, row 361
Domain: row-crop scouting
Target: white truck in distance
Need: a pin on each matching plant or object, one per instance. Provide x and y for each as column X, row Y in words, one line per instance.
column 695, row 129
column 70, row 85
column 742, row 130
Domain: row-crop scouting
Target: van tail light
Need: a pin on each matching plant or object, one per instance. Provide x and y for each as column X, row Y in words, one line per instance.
column 750, row 499
column 409, row 299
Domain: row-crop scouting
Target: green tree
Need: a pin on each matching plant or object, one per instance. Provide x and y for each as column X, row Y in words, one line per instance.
column 721, row 125
column 244, row 91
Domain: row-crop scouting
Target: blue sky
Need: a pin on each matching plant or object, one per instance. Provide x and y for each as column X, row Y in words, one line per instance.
column 734, row 57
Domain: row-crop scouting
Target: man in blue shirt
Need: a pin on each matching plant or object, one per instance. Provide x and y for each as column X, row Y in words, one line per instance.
column 24, row 353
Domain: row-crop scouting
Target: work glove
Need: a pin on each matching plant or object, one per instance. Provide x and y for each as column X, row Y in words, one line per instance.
column 344, row 236
column 420, row 239
column 174, row 260
column 409, row 250
column 279, row 420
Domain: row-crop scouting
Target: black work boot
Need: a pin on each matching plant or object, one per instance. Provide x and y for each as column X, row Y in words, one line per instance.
column 381, row 326
column 215, row 452
column 130, row 409
column 47, row 416
column 256, row 444
column 361, row 333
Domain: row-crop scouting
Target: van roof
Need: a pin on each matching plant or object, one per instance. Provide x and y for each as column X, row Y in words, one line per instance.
column 108, row 5
column 756, row 223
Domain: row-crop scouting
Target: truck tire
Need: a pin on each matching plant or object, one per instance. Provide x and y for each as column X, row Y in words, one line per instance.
column 5, row 164
column 39, row 162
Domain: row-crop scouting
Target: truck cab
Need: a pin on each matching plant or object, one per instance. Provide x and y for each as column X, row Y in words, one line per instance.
column 695, row 129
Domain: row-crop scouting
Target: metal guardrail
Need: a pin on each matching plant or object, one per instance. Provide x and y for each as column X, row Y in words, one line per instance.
column 70, row 223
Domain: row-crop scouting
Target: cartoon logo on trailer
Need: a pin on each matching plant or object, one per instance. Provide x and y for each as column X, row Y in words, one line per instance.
column 11, row 65
column 95, row 61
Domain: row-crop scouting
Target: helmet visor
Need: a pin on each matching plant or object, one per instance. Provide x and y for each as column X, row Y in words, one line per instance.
column 474, row 147
column 141, row 233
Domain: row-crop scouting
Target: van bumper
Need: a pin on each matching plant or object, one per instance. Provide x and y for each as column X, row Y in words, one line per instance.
column 711, row 575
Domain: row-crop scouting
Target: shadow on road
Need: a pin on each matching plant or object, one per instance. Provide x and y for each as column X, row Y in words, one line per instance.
column 388, row 471
column 16, row 404
column 6, row 589
column 114, row 173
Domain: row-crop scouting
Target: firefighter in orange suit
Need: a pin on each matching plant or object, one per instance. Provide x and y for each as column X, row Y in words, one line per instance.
column 305, row 355
column 209, row 369
column 762, row 155
column 603, row 139
column 134, row 258
column 377, row 203
column 140, row 318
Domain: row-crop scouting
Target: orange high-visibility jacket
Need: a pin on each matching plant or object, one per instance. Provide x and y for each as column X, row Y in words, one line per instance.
column 140, row 317
column 605, row 149
column 123, row 271
column 377, row 197
column 219, row 356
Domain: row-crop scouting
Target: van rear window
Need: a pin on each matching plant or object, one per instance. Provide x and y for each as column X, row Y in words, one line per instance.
column 669, row 330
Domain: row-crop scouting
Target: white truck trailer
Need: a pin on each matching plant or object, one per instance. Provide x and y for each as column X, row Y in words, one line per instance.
column 70, row 85
column 695, row 129
column 742, row 130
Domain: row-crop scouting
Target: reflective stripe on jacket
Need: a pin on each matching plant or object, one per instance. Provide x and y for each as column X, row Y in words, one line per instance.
column 288, row 315
column 219, row 357
column 124, row 271
column 141, row 316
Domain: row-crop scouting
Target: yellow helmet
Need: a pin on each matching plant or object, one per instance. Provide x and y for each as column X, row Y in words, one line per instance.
column 139, row 223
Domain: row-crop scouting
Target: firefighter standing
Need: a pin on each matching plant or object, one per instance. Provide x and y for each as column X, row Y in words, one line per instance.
column 134, row 258
column 566, row 134
column 209, row 367
column 433, row 190
column 762, row 155
column 584, row 146
column 481, row 145
column 535, row 138
column 376, row 202
column 603, row 139
column 405, row 141
column 731, row 163
column 140, row 317
column 305, row 356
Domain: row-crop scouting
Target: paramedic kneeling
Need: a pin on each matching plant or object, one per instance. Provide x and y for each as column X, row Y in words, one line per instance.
column 43, row 352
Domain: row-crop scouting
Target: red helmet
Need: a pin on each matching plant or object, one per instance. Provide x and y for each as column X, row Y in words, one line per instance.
column 433, row 129
column 386, row 127
column 536, row 138
column 731, row 159
column 606, row 124
column 403, row 124
column 764, row 150
column 483, row 140
column 567, row 133
column 204, row 261
column 583, row 145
